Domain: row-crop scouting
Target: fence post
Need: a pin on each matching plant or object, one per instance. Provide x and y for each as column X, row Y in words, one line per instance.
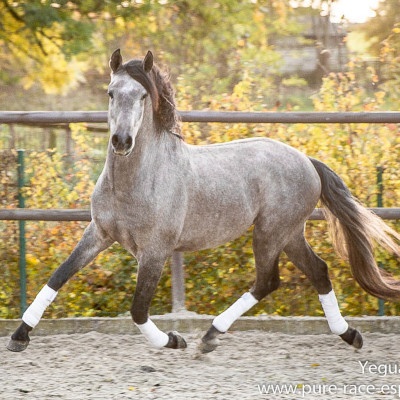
column 68, row 142
column 178, row 282
column 379, row 201
column 22, row 241
column 12, row 137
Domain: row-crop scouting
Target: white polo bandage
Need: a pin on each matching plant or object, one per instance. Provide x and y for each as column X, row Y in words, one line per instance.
column 223, row 321
column 337, row 323
column 35, row 311
column 153, row 334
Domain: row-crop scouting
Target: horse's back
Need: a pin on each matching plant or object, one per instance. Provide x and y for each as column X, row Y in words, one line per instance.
column 257, row 165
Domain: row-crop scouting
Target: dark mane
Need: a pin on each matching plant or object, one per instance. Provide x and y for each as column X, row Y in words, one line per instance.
column 158, row 85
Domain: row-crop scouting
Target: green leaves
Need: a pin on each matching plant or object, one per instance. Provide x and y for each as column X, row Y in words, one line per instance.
column 213, row 41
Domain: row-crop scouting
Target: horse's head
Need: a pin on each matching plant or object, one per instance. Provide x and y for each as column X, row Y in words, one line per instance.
column 128, row 99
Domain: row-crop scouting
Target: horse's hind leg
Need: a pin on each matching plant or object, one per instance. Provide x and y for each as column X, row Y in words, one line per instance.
column 301, row 254
column 91, row 244
column 266, row 254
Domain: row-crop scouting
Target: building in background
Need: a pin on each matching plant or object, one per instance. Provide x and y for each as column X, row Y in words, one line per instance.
column 320, row 47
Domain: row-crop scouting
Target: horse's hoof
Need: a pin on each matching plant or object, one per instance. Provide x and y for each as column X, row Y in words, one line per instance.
column 353, row 337
column 208, row 346
column 17, row 345
column 358, row 341
column 176, row 341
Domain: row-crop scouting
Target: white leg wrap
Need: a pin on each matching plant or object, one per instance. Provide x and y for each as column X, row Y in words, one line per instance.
column 35, row 311
column 337, row 323
column 153, row 334
column 223, row 321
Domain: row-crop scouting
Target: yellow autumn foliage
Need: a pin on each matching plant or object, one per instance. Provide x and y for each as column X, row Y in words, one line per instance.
column 215, row 277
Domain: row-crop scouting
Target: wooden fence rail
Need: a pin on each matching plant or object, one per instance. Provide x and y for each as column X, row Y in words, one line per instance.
column 66, row 117
column 26, row 214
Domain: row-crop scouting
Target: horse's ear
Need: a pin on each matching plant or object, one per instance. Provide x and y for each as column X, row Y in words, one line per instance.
column 115, row 60
column 148, row 61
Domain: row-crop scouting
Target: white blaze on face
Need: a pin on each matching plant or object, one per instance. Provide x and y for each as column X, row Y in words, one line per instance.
column 126, row 106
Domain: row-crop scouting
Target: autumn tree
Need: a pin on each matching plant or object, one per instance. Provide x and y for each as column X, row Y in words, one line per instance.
column 209, row 43
column 41, row 42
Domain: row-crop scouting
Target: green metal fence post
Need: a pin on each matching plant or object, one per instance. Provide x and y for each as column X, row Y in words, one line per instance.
column 379, row 201
column 22, row 241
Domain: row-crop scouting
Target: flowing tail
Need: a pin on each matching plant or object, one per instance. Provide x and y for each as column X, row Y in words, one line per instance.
column 353, row 229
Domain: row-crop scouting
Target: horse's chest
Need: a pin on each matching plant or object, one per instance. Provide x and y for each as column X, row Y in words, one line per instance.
column 125, row 220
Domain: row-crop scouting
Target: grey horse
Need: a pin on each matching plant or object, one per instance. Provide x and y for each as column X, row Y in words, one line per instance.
column 157, row 195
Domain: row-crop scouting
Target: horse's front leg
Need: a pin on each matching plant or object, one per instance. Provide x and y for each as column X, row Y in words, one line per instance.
column 150, row 269
column 92, row 243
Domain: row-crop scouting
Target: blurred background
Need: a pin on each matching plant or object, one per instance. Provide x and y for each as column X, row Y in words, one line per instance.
column 246, row 55
column 57, row 53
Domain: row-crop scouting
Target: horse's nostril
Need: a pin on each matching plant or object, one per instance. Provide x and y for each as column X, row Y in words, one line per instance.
column 129, row 142
column 114, row 140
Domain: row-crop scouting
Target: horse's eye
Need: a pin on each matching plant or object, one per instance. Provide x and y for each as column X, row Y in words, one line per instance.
column 144, row 96
column 111, row 94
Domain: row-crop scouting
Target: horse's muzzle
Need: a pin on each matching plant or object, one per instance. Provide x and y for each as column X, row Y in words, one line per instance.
column 122, row 145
